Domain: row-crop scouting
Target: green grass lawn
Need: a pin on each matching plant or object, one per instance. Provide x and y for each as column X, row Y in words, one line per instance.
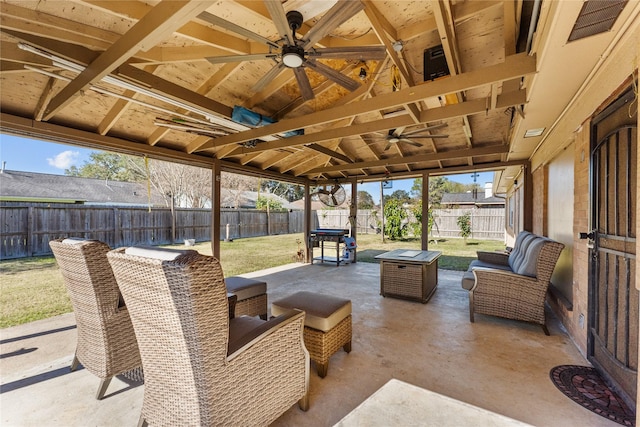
column 32, row 288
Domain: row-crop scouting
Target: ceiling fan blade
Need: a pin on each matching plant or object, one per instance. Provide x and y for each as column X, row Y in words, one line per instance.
column 338, row 14
column 266, row 79
column 410, row 142
column 303, row 83
column 279, row 18
column 215, row 20
column 428, row 128
column 239, row 58
column 333, row 75
column 387, row 146
column 434, row 136
column 360, row 53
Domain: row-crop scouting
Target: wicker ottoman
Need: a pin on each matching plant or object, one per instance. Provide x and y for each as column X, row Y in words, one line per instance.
column 251, row 296
column 327, row 324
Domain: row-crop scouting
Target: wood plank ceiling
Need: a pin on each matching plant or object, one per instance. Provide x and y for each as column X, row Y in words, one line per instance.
column 133, row 76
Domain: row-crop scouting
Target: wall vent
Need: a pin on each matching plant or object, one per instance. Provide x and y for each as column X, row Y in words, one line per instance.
column 596, row 16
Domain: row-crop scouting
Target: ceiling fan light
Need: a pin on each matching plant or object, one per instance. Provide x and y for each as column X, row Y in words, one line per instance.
column 292, row 56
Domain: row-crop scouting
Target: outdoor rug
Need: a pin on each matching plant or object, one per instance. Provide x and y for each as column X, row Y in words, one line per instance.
column 585, row 386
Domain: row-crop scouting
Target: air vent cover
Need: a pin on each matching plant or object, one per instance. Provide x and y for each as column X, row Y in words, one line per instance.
column 596, row 16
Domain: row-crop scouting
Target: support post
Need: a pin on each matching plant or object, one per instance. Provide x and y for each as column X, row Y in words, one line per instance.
column 353, row 215
column 382, row 209
column 425, row 212
column 307, row 222
column 527, row 198
column 216, row 178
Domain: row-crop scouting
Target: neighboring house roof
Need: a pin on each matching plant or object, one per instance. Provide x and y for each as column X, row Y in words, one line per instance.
column 247, row 199
column 41, row 187
column 468, row 199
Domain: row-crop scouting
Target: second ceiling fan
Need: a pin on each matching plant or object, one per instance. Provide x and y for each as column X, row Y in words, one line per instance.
column 299, row 53
column 412, row 137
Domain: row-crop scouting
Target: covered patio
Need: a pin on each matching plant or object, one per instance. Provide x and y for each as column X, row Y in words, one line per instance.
column 499, row 365
column 528, row 89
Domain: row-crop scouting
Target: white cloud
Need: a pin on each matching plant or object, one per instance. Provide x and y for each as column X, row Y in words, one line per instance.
column 64, row 160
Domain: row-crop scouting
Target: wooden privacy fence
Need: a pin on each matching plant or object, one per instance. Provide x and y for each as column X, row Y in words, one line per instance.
column 486, row 223
column 27, row 228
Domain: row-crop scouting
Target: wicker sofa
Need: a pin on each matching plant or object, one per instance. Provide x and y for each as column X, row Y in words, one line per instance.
column 513, row 284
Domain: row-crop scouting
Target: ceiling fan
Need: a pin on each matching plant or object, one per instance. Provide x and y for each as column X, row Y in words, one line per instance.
column 299, row 53
column 395, row 136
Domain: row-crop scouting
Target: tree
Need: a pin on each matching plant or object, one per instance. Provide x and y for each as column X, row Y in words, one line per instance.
column 394, row 216
column 110, row 166
column 438, row 185
column 416, row 226
column 267, row 203
column 400, row 195
column 464, row 223
column 237, row 185
column 291, row 192
column 365, row 201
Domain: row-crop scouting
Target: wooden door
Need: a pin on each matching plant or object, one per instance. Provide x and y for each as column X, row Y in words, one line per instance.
column 613, row 297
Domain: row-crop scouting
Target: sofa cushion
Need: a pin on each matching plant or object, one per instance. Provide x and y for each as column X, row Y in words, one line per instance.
column 519, row 251
column 164, row 254
column 529, row 264
column 477, row 263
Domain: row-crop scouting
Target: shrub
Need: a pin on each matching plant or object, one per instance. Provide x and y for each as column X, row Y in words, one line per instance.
column 394, row 216
column 464, row 222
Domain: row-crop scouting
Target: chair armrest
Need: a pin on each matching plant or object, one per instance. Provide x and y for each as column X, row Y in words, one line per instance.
column 501, row 279
column 261, row 332
column 493, row 257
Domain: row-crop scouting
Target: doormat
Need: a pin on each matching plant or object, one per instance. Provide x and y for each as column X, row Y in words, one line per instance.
column 585, row 386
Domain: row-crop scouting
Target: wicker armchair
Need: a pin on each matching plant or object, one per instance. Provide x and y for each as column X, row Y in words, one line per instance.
column 513, row 286
column 201, row 368
column 106, row 345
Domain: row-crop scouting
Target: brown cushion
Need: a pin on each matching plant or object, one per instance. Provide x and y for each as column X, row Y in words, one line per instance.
column 244, row 288
column 238, row 328
column 322, row 312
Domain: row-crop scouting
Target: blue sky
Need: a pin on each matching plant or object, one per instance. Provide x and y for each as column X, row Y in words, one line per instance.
column 29, row 155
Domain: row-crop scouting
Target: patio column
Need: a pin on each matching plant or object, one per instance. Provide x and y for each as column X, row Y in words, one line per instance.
column 307, row 221
column 353, row 215
column 527, row 198
column 425, row 212
column 215, row 208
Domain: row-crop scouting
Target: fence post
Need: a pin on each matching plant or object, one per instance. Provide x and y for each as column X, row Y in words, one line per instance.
column 116, row 229
column 31, row 222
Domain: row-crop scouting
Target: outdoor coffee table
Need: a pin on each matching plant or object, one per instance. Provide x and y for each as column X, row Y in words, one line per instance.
column 409, row 274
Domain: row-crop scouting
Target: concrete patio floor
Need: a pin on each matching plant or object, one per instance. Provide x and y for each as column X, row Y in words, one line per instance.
column 499, row 365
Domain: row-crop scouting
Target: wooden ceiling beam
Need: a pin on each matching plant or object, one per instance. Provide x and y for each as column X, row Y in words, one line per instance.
column 118, row 109
column 192, row 30
column 384, row 30
column 24, row 127
column 331, row 153
column 514, row 66
column 209, row 85
column 275, row 159
column 447, row 170
column 443, row 155
column 434, row 114
column 158, row 24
